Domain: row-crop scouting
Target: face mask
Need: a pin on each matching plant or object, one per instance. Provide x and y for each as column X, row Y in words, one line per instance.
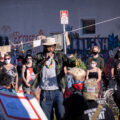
column 93, row 65
column 95, row 53
column 7, row 61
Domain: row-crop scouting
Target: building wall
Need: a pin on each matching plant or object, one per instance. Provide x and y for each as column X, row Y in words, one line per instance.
column 27, row 17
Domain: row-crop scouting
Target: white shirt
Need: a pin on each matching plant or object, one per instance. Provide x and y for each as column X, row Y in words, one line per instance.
column 49, row 79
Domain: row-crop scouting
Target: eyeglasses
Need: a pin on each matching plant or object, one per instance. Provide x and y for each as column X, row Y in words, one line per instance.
column 7, row 58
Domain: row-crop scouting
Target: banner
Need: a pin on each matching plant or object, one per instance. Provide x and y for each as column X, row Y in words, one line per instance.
column 37, row 43
column 20, row 107
column 5, row 49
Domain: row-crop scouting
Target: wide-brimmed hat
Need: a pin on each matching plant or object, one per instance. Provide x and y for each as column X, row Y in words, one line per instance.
column 49, row 41
column 90, row 89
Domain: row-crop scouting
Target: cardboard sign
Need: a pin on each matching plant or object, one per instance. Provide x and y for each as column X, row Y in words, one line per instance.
column 59, row 40
column 64, row 16
column 90, row 89
column 37, row 43
column 5, row 49
column 20, row 107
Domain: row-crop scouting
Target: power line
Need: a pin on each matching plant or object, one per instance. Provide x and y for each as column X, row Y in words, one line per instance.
column 105, row 21
column 95, row 24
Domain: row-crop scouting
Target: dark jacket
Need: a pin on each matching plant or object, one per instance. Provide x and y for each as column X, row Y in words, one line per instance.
column 61, row 60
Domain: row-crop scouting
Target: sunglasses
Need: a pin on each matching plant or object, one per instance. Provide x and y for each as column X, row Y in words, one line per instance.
column 7, row 58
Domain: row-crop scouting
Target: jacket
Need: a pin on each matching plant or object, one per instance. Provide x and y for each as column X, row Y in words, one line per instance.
column 61, row 60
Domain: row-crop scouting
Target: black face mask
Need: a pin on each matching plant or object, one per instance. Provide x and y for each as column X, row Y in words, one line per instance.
column 95, row 53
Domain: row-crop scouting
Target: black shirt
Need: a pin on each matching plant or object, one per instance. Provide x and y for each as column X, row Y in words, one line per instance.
column 105, row 114
column 93, row 75
column 115, row 64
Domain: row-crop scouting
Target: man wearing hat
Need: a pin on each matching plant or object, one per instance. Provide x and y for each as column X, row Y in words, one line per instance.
column 49, row 67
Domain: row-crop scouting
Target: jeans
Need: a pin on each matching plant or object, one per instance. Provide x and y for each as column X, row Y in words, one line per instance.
column 50, row 101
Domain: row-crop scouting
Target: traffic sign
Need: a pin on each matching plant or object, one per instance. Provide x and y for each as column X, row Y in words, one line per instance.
column 64, row 16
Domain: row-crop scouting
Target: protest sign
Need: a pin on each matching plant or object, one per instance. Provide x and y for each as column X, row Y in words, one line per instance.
column 5, row 49
column 37, row 43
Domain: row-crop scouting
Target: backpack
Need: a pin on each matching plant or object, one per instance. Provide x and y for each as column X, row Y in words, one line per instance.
column 72, row 90
column 90, row 90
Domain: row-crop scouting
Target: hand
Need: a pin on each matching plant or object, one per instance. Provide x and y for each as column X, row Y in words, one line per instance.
column 49, row 54
column 37, row 96
column 69, row 72
column 65, row 71
column 28, row 85
column 113, row 78
column 97, row 81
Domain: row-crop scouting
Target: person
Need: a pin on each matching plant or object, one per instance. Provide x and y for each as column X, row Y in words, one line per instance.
column 78, row 76
column 95, row 54
column 19, row 62
column 115, row 73
column 14, row 51
column 29, row 52
column 49, row 67
column 41, row 35
column 94, row 110
column 94, row 72
column 4, row 40
column 115, row 65
column 68, row 77
column 28, row 76
column 74, row 107
column 2, row 62
column 5, row 83
column 12, row 71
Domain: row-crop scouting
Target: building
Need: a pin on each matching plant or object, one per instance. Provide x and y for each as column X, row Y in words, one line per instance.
column 22, row 20
column 27, row 17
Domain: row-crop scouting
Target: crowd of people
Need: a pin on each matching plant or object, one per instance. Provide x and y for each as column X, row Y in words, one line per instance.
column 44, row 76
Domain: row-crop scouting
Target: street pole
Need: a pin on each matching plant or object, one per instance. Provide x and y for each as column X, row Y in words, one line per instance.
column 65, row 51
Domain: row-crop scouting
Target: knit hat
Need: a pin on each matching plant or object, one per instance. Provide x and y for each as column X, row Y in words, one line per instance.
column 90, row 89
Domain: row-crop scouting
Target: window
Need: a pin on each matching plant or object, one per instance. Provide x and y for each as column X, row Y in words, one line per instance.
column 88, row 30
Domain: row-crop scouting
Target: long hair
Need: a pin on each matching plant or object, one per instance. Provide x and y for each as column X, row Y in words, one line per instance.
column 74, row 107
column 5, row 79
column 25, row 60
